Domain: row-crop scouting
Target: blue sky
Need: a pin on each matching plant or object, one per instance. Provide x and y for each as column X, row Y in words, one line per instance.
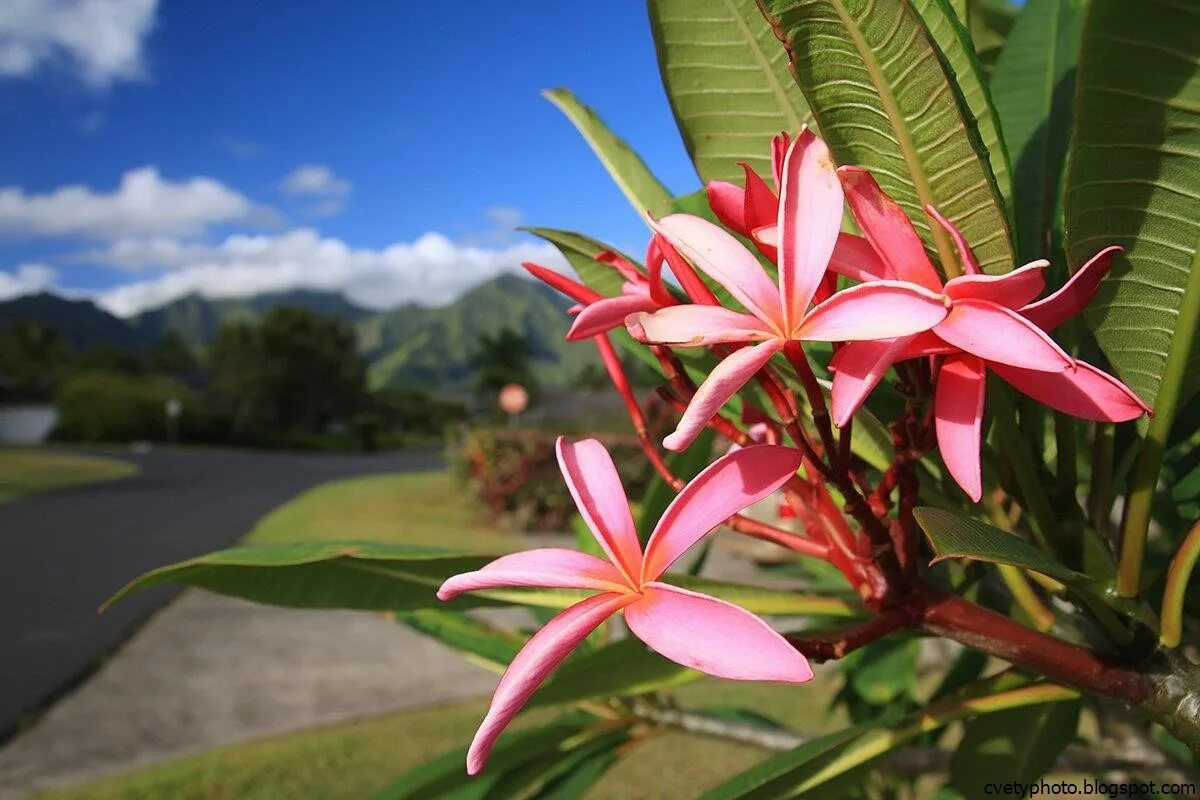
column 154, row 148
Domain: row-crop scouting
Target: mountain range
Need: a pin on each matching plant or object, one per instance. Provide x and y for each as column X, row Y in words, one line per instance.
column 410, row 345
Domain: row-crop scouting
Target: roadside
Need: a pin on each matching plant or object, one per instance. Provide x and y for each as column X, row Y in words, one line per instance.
column 26, row 471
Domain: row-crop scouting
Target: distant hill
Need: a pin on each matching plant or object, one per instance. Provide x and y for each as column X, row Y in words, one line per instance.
column 410, row 345
column 416, row 345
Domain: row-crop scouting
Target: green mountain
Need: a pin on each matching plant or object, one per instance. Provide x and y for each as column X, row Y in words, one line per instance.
column 415, row 345
column 410, row 345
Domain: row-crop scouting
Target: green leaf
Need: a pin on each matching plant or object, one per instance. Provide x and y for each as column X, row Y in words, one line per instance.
column 544, row 772
column 685, row 466
column 1032, row 87
column 760, row 780
column 1133, row 178
column 886, row 670
column 484, row 644
column 447, row 773
column 620, row 669
column 1016, row 746
column 884, row 97
column 950, row 35
column 643, row 190
column 771, row 602
column 990, row 22
column 954, row 536
column 359, row 575
column 582, row 773
column 728, row 83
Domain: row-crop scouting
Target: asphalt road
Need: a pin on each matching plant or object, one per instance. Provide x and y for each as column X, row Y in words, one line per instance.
column 62, row 554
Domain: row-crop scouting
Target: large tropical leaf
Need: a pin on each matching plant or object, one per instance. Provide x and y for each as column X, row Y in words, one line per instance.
column 728, row 83
column 990, row 22
column 1133, row 179
column 620, row 669
column 885, row 98
column 1033, row 87
column 641, row 188
column 949, row 32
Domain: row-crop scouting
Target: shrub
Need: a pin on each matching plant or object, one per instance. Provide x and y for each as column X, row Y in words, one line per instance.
column 112, row 407
column 515, row 474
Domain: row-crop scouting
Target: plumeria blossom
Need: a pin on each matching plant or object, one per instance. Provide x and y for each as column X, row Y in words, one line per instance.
column 691, row 629
column 597, row 314
column 808, row 223
column 994, row 324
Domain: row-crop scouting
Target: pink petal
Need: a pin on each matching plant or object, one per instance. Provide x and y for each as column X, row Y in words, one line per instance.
column 762, row 206
column 547, row 567
column 537, row 659
column 876, row 310
column 724, row 259
column 996, row 333
column 958, row 412
column 779, row 148
column 1074, row 295
column 592, row 479
column 724, row 488
column 888, row 229
column 728, row 202
column 571, row 288
column 696, row 289
column 713, row 636
column 604, row 315
column 854, row 257
column 622, row 265
column 969, row 262
column 721, row 384
column 810, row 217
column 1085, row 392
column 1011, row 290
column 693, row 325
column 858, row 368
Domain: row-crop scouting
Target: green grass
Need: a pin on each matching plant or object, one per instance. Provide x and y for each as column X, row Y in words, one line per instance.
column 353, row 760
column 26, row 471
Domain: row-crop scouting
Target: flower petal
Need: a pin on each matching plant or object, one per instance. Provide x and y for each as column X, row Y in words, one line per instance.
column 1011, row 290
column 556, row 280
column 810, row 218
column 696, row 289
column 592, row 479
column 537, row 659
column 604, row 315
column 888, row 229
column 958, row 419
column 725, row 487
column 996, row 333
column 761, row 204
column 728, row 202
column 858, row 368
column 713, row 636
column 721, row 384
column 779, row 148
column 969, row 262
column 854, row 257
column 724, row 259
column 1086, row 392
column 694, row 325
column 1074, row 295
column 546, row 567
column 875, row 310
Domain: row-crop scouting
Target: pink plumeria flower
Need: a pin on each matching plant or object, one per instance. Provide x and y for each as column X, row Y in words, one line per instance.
column 993, row 324
column 597, row 314
column 691, row 629
column 809, row 221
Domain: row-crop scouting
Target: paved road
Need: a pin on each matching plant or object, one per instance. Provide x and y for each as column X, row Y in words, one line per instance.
column 61, row 555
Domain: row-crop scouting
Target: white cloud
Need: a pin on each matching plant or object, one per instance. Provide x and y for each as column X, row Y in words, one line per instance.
column 145, row 204
column 431, row 270
column 315, row 180
column 101, row 40
column 26, row 279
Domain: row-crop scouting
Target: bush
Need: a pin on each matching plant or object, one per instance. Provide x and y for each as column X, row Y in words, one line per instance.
column 112, row 407
column 515, row 474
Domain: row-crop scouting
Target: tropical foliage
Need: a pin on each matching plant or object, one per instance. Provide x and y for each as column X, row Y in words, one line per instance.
column 859, row 309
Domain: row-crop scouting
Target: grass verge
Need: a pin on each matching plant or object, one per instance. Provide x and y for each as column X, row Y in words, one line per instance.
column 26, row 471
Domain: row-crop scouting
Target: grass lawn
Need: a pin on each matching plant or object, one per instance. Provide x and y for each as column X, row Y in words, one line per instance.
column 353, row 760
column 25, row 471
